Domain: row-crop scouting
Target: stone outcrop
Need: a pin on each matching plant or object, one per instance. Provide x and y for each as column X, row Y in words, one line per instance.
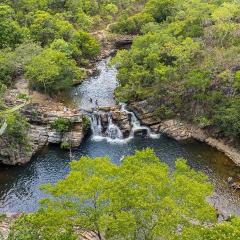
column 41, row 134
column 183, row 131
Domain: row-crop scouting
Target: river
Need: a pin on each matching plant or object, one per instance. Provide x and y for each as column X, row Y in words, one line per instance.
column 19, row 185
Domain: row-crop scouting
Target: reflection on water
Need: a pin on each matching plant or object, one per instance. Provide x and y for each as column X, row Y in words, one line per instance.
column 19, row 186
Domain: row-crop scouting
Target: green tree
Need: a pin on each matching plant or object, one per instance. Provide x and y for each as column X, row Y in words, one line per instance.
column 11, row 33
column 46, row 27
column 140, row 199
column 52, row 71
column 12, row 63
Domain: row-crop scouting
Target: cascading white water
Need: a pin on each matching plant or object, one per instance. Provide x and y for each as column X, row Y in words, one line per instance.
column 96, row 124
column 113, row 131
column 136, row 125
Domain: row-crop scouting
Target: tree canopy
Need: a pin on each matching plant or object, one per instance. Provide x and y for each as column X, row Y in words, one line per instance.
column 139, row 200
column 185, row 61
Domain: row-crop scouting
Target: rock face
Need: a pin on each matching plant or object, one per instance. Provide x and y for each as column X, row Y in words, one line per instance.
column 41, row 134
column 183, row 131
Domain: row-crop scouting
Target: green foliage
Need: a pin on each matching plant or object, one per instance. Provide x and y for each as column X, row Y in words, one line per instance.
column 13, row 126
column 186, row 63
column 65, row 145
column 46, row 27
column 140, row 199
column 203, row 121
column 12, row 63
column 154, row 10
column 133, row 24
column 61, row 125
column 17, row 128
column 51, row 71
column 227, row 117
column 63, row 46
column 6, row 68
column 160, row 9
column 88, row 45
column 86, row 123
column 10, row 30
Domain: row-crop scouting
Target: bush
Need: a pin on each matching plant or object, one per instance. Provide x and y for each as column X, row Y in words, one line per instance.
column 86, row 123
column 52, row 72
column 227, row 117
column 11, row 32
column 17, row 130
column 61, row 125
column 133, row 24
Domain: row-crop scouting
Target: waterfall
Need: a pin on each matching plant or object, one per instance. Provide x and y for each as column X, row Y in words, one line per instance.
column 113, row 131
column 96, row 124
column 111, row 134
column 136, row 125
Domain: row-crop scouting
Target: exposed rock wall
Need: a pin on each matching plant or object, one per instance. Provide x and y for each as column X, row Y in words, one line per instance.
column 41, row 134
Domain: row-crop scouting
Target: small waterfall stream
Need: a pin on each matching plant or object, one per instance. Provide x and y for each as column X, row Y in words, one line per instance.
column 136, row 125
column 113, row 133
column 96, row 124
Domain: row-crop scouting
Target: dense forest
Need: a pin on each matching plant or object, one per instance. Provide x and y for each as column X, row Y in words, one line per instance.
column 186, row 61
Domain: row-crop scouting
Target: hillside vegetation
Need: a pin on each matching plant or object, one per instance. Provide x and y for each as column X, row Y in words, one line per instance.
column 48, row 40
column 49, row 43
column 186, row 61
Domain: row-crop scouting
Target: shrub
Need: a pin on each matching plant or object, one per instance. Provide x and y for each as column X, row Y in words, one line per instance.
column 61, row 125
column 52, row 71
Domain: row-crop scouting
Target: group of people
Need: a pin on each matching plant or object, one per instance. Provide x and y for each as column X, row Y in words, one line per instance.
column 96, row 101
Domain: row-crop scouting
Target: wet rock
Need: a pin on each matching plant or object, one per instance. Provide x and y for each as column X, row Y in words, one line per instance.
column 120, row 118
column 141, row 132
column 123, row 121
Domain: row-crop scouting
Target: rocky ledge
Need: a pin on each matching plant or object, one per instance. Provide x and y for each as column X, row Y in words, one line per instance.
column 41, row 134
column 183, row 131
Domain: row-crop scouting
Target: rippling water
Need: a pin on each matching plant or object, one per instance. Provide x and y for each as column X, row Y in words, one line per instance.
column 100, row 87
column 19, row 186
